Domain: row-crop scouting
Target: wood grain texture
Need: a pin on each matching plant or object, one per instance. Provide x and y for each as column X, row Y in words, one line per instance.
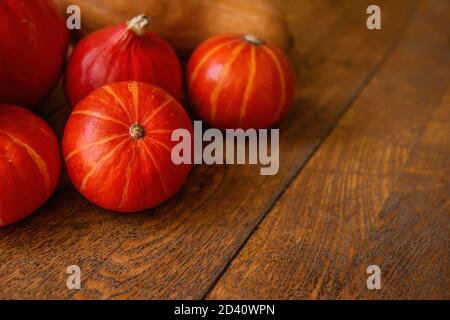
column 180, row 249
column 348, row 209
column 414, row 224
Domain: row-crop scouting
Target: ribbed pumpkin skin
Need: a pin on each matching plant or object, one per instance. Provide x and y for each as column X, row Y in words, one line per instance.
column 115, row 54
column 33, row 47
column 110, row 167
column 30, row 163
column 237, row 84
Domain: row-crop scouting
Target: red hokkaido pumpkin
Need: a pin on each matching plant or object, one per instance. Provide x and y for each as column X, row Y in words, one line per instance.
column 117, row 146
column 239, row 81
column 123, row 52
column 33, row 47
column 30, row 163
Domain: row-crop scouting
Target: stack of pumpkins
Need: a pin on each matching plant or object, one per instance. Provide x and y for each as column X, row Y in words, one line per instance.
column 125, row 84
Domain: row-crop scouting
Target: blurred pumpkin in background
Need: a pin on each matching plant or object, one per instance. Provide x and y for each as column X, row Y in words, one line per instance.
column 187, row 23
column 33, row 47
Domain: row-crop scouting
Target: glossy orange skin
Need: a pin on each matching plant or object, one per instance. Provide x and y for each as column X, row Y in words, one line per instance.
column 115, row 54
column 30, row 163
column 237, row 84
column 110, row 167
column 33, row 48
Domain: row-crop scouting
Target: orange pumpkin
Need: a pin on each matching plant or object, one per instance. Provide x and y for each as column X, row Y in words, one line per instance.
column 117, row 146
column 240, row 81
column 30, row 163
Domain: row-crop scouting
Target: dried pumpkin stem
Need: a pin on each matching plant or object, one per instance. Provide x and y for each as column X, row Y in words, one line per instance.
column 139, row 24
column 253, row 39
column 137, row 131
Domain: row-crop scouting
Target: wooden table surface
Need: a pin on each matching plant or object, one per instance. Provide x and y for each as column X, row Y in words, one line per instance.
column 364, row 180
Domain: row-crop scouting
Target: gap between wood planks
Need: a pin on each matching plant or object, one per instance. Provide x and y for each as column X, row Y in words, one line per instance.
column 348, row 105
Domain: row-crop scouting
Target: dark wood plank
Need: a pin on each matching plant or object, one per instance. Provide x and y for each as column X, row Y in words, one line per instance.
column 326, row 229
column 415, row 223
column 179, row 249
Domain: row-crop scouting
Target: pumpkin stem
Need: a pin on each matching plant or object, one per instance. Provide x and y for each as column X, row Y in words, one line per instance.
column 137, row 131
column 138, row 24
column 253, row 39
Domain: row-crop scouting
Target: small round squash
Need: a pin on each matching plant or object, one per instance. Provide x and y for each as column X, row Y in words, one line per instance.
column 30, row 163
column 117, row 146
column 239, row 81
